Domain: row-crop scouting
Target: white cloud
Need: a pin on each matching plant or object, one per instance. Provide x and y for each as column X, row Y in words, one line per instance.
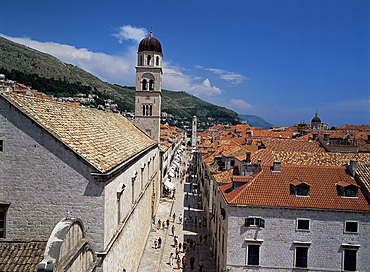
column 120, row 69
column 232, row 77
column 128, row 32
column 114, row 69
column 205, row 89
column 240, row 103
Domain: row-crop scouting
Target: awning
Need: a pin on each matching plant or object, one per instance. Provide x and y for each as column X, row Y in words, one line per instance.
column 169, row 184
column 171, row 173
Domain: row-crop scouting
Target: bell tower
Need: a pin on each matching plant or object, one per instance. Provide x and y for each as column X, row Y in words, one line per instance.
column 148, row 91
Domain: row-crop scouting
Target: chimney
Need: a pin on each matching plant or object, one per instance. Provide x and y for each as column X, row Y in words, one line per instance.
column 248, row 157
column 352, row 167
column 326, row 137
column 314, row 136
column 276, row 167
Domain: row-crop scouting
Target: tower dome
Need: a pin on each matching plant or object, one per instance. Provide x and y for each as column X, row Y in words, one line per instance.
column 150, row 44
column 316, row 119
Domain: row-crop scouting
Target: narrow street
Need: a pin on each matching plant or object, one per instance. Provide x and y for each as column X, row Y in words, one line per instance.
column 191, row 230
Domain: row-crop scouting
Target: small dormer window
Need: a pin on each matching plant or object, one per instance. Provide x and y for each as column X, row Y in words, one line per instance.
column 303, row 190
column 300, row 188
column 346, row 189
column 350, row 191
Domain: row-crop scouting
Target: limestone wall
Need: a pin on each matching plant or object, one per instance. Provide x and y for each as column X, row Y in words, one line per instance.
column 44, row 181
column 325, row 238
column 129, row 215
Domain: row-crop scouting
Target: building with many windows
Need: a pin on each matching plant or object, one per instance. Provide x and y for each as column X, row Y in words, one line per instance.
column 284, row 205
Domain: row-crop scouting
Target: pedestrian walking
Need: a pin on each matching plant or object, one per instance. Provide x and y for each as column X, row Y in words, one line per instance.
column 184, row 247
column 178, row 263
column 174, row 217
column 200, row 266
column 180, row 246
column 168, row 222
column 173, row 230
column 155, row 243
column 154, row 220
column 159, row 223
column 183, row 262
column 180, row 218
column 159, row 242
column 177, row 253
column 163, row 225
column 192, row 261
column 171, row 259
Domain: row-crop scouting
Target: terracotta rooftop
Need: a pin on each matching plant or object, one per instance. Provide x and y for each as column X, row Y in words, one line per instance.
column 273, row 189
column 292, row 145
column 104, row 139
column 308, row 158
column 21, row 255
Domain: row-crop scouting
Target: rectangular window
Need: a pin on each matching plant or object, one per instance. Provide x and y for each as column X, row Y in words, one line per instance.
column 303, row 224
column 254, row 222
column 1, row 145
column 350, row 259
column 351, row 226
column 3, row 209
column 253, row 255
column 301, row 256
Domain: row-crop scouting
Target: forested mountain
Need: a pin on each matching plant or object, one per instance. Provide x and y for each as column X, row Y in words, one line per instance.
column 48, row 74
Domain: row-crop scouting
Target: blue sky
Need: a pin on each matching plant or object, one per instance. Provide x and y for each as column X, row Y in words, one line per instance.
column 281, row 60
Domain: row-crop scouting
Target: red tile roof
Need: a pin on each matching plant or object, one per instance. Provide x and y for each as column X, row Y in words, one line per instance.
column 273, row 189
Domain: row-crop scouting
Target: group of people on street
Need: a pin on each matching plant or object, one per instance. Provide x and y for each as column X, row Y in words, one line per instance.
column 185, row 248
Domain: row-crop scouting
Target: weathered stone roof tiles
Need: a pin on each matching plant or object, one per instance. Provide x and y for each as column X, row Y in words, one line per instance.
column 104, row 139
column 21, row 255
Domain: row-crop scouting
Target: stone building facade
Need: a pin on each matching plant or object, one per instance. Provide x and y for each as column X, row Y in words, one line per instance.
column 59, row 160
column 286, row 218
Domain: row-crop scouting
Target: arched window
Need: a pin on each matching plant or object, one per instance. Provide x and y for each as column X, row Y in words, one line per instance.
column 151, row 85
column 150, row 110
column 143, row 110
column 149, row 59
column 145, row 85
column 157, row 61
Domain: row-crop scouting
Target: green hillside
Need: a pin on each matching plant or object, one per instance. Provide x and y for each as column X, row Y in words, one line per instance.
column 48, row 74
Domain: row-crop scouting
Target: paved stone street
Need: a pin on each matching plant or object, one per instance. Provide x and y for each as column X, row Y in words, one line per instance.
column 185, row 204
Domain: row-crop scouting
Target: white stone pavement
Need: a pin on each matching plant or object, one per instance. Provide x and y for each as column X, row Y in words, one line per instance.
column 154, row 260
